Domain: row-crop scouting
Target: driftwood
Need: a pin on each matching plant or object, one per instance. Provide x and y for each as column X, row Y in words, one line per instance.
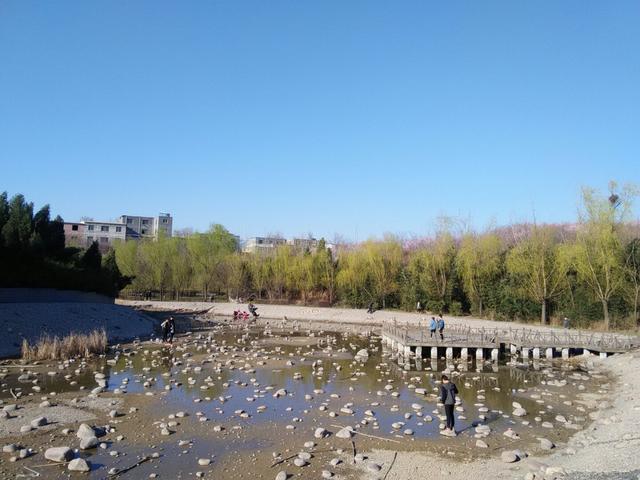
column 368, row 435
column 353, row 445
column 125, row 470
column 395, row 455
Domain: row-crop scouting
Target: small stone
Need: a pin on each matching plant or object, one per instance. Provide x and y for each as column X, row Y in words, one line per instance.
column 203, row 462
column 509, row 457
column 79, row 465
column 38, row 422
column 346, row 432
column 58, row 454
column 282, row 475
column 88, row 442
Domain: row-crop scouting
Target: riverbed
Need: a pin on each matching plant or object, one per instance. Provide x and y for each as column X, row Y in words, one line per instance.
column 237, row 401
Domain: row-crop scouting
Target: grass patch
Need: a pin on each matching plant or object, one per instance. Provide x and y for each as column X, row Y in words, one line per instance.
column 69, row 346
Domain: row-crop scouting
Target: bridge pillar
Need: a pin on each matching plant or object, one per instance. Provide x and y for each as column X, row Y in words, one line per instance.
column 525, row 353
column 479, row 354
column 464, row 354
column 565, row 353
column 407, row 351
column 603, row 354
column 418, row 352
column 513, row 349
column 449, row 352
column 549, row 353
column 418, row 363
column 536, row 353
column 434, row 352
column 495, row 354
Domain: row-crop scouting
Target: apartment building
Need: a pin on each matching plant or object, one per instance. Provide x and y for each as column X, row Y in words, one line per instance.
column 127, row 227
column 83, row 234
column 144, row 227
column 262, row 244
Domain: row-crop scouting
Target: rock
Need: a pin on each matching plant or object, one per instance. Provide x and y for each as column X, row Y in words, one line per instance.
column 320, row 433
column 327, row 474
column 362, row 353
column 85, row 430
column 58, row 454
column 519, row 412
column 345, row 432
column 38, row 422
column 309, row 444
column 299, row 462
column 546, row 444
column 481, row 444
column 79, row 465
column 25, row 428
column 282, row 475
column 88, row 442
column 280, row 393
column 10, row 448
column 203, row 462
column 509, row 457
column 373, row 467
column 511, row 434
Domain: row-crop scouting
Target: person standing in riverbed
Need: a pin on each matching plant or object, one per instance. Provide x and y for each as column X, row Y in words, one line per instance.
column 172, row 329
column 448, row 392
column 165, row 329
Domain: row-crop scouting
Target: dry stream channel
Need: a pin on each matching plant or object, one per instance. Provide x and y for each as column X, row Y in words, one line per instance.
column 235, row 402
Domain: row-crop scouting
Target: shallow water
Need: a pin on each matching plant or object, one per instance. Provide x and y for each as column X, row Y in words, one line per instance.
column 323, row 377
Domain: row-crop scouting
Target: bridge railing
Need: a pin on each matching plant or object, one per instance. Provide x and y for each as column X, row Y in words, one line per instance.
column 518, row 336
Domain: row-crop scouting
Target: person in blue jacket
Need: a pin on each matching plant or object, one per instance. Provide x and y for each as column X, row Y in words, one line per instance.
column 433, row 326
column 441, row 326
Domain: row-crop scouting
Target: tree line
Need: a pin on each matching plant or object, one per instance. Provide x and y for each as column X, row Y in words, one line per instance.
column 588, row 271
column 33, row 253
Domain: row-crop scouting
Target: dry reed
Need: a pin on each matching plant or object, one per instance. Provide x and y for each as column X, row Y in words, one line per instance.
column 69, row 346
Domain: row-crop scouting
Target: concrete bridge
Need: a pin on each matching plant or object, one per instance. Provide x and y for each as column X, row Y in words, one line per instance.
column 459, row 341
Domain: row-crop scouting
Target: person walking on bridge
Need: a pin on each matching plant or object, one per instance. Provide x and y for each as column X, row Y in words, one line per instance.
column 441, row 326
column 433, row 326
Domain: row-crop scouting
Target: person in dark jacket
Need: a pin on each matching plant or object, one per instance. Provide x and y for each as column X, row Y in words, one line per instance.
column 441, row 326
column 448, row 392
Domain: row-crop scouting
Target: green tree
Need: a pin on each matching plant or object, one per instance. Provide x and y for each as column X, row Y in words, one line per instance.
column 536, row 265
column 479, row 264
column 597, row 254
column 16, row 231
column 632, row 277
column 208, row 251
column 384, row 261
column 92, row 258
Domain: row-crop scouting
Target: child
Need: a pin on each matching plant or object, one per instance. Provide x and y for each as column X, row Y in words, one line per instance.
column 448, row 391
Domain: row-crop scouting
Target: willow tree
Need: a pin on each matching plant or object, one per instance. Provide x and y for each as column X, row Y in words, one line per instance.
column 207, row 251
column 352, row 278
column 180, row 266
column 597, row 254
column 325, row 268
column 479, row 264
column 432, row 268
column 537, row 267
column 384, row 261
column 632, row 276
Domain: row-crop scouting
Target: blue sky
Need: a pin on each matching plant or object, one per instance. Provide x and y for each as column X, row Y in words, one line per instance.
column 356, row 118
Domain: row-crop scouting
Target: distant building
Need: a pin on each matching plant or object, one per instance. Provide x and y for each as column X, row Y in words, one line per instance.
column 303, row 243
column 262, row 244
column 128, row 227
column 83, row 234
column 147, row 227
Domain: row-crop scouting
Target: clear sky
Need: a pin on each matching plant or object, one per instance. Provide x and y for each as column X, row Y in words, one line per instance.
column 349, row 117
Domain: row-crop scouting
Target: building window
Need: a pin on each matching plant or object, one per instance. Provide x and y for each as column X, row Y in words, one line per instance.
column 164, row 220
column 104, row 239
column 74, row 228
column 104, row 228
column 118, row 229
column 90, row 228
column 145, row 222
